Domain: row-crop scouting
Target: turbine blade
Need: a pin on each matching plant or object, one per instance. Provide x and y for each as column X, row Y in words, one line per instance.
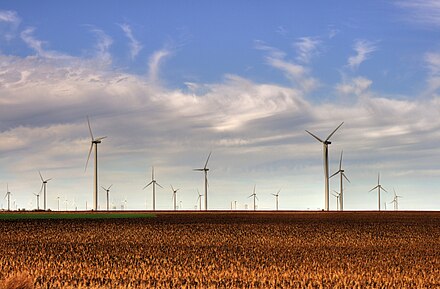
column 88, row 157
column 320, row 140
column 110, row 187
column 378, row 178
column 147, row 185
column 48, row 180
column 206, row 164
column 90, row 128
column 373, row 188
column 159, row 185
column 250, row 196
column 199, row 170
column 152, row 173
column 41, row 177
column 256, row 197
column 254, row 189
column 383, row 189
column 330, row 135
column 335, row 174
column 100, row 138
column 41, row 189
column 346, row 178
column 103, row 188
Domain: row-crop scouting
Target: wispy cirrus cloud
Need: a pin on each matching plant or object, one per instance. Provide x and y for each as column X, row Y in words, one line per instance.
column 12, row 20
column 154, row 64
column 306, row 47
column 424, row 12
column 34, row 43
column 356, row 86
column 135, row 45
column 432, row 60
column 103, row 44
column 363, row 49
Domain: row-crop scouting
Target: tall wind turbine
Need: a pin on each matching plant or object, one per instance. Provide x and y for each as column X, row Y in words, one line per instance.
column 154, row 183
column 38, row 201
column 395, row 200
column 325, row 144
column 8, row 195
column 337, row 196
column 94, row 142
column 199, row 199
column 341, row 173
column 205, row 169
column 43, row 187
column 378, row 187
column 174, row 197
column 276, row 197
column 107, row 193
column 255, row 197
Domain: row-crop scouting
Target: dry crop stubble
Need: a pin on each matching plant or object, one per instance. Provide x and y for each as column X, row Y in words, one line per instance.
column 228, row 250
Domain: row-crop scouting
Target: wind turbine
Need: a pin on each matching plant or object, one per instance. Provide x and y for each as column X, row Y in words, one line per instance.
column 396, row 201
column 341, row 173
column 276, row 197
column 94, row 142
column 174, row 197
column 199, row 199
column 38, row 201
column 58, row 200
column 325, row 144
column 154, row 182
column 378, row 187
column 205, row 169
column 8, row 195
column 43, row 186
column 107, row 191
column 255, row 197
column 337, row 196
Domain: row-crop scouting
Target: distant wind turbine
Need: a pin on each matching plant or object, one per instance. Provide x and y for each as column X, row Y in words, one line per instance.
column 8, row 195
column 325, row 144
column 199, row 199
column 395, row 200
column 94, row 142
column 276, row 197
column 174, row 197
column 58, row 199
column 205, row 169
column 337, row 196
column 154, row 183
column 43, row 186
column 255, row 197
column 107, row 194
column 341, row 173
column 38, row 201
column 378, row 187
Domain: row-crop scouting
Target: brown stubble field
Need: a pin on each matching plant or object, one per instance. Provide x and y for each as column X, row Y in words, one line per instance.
column 228, row 250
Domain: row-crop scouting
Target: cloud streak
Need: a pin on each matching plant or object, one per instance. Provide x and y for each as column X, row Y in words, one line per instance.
column 135, row 45
column 423, row 12
column 363, row 49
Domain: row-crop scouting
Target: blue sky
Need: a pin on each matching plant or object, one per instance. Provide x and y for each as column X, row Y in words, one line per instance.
column 169, row 82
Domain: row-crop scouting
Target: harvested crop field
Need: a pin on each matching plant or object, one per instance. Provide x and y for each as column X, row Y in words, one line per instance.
column 227, row 250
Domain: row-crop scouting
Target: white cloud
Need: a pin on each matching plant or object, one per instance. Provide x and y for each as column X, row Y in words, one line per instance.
column 356, row 86
column 363, row 49
column 432, row 61
column 306, row 48
column 135, row 46
column 154, row 64
column 103, row 43
column 425, row 12
column 27, row 36
column 12, row 21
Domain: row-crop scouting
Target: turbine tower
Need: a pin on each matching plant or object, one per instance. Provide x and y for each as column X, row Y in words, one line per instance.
column 255, row 197
column 38, row 201
column 395, row 200
column 8, row 195
column 199, row 199
column 205, row 169
column 94, row 142
column 337, row 196
column 342, row 175
column 43, row 187
column 174, row 197
column 154, row 183
column 276, row 197
column 325, row 144
column 107, row 193
column 378, row 187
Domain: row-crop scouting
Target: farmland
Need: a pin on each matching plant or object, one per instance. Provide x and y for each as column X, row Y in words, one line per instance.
column 227, row 250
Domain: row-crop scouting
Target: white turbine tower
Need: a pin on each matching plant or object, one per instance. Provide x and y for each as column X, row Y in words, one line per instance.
column 337, row 196
column 395, row 200
column 94, row 142
column 378, row 187
column 205, row 169
column 38, row 201
column 107, row 190
column 325, row 144
column 342, row 175
column 255, row 197
column 8, row 195
column 199, row 199
column 276, row 197
column 43, row 187
column 154, row 183
column 174, row 197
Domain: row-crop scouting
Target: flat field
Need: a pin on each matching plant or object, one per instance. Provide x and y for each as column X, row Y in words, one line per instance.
column 226, row 250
